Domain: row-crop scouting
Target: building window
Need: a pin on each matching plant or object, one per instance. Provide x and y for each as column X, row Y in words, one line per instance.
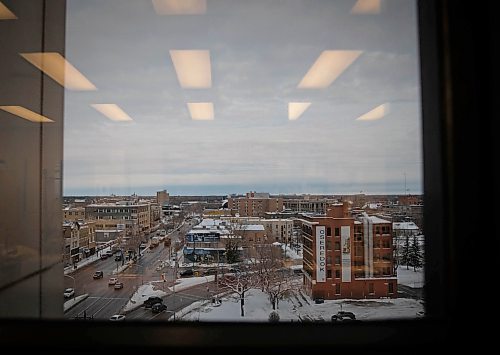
column 358, row 251
column 390, row 288
column 329, row 260
column 337, row 245
column 328, row 274
column 337, row 274
column 337, row 289
column 337, row 232
column 337, row 259
column 371, row 288
column 328, row 232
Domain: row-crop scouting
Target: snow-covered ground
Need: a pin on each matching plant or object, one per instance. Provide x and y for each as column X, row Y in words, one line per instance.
column 297, row 307
column 142, row 294
column 182, row 284
column 291, row 253
column 409, row 277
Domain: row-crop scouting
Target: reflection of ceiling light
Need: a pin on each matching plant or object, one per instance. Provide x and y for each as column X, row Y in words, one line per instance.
column 112, row 111
column 328, row 66
column 180, row 7
column 295, row 109
column 25, row 113
column 5, row 13
column 375, row 114
column 59, row 69
column 366, row 7
column 201, row 111
column 192, row 68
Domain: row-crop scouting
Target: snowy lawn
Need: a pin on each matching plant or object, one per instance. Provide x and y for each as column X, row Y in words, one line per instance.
column 142, row 294
column 182, row 284
column 409, row 277
column 300, row 307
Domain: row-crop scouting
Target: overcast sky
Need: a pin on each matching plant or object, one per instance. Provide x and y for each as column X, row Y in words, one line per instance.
column 259, row 50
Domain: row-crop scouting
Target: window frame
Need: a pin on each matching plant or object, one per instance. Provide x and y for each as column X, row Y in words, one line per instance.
column 439, row 22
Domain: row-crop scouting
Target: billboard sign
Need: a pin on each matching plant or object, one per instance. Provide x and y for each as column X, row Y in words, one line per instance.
column 320, row 254
column 345, row 240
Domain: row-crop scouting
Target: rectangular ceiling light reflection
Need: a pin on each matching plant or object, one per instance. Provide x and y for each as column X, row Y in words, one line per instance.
column 366, row 7
column 59, row 69
column 375, row 114
column 192, row 68
column 5, row 13
column 26, row 114
column 296, row 109
column 180, row 7
column 112, row 111
column 328, row 66
column 201, row 111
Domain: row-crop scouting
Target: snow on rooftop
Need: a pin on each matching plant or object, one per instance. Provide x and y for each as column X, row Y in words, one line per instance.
column 377, row 220
column 405, row 225
column 251, row 227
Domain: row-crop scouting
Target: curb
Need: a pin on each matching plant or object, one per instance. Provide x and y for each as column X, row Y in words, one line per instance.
column 81, row 299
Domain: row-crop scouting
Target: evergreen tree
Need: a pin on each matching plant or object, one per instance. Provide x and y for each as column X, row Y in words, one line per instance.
column 405, row 255
column 415, row 256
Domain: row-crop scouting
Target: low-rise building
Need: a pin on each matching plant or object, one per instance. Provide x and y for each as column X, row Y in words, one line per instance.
column 72, row 214
column 347, row 257
column 79, row 241
column 254, row 204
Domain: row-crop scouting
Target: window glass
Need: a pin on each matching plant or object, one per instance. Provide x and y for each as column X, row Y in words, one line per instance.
column 197, row 132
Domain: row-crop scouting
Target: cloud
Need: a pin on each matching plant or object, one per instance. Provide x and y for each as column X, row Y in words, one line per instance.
column 259, row 52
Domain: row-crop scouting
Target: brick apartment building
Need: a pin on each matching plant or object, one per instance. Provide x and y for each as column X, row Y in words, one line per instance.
column 346, row 257
column 255, row 204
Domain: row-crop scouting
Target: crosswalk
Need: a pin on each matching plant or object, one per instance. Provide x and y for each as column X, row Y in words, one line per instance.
column 128, row 276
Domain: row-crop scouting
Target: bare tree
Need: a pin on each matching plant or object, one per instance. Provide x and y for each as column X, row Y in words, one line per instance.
column 279, row 283
column 240, row 282
column 273, row 278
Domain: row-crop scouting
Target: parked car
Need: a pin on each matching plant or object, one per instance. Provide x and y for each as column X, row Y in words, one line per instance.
column 118, row 285
column 346, row 314
column 104, row 256
column 151, row 301
column 98, row 275
column 186, row 273
column 109, row 253
column 210, row 272
column 342, row 316
column 69, row 292
column 112, row 281
column 118, row 257
column 158, row 307
column 319, row 300
column 117, row 317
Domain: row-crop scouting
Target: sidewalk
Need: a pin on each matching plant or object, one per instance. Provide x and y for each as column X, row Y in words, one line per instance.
column 123, row 267
column 85, row 262
column 74, row 301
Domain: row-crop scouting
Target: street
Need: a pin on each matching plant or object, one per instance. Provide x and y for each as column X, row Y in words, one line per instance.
column 104, row 300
